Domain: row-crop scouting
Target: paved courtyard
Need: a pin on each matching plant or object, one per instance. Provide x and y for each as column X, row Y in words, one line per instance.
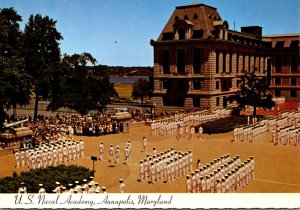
column 277, row 168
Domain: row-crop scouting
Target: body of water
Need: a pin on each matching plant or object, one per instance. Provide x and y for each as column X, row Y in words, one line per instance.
column 126, row 79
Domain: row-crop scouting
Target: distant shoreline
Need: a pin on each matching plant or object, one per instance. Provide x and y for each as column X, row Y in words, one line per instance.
column 126, row 80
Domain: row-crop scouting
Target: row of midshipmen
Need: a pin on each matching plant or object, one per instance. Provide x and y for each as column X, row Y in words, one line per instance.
column 115, row 154
column 168, row 166
column 228, row 177
column 288, row 135
column 86, row 186
column 51, row 154
column 250, row 133
column 170, row 126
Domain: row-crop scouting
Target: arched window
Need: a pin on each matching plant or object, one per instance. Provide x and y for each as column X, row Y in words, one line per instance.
column 186, row 17
column 195, row 16
column 181, row 33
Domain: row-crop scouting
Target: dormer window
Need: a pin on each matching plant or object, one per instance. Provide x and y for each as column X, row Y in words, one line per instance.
column 181, row 34
column 186, row 17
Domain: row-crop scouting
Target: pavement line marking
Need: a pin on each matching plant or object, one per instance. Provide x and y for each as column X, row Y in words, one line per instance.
column 276, row 182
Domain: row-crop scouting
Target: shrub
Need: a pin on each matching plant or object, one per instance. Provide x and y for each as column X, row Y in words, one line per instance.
column 47, row 176
column 223, row 125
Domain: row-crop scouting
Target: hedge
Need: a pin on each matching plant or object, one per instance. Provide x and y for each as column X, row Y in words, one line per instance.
column 223, row 125
column 46, row 176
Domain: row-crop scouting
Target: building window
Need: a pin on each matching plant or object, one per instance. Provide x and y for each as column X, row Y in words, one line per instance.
column 293, row 93
column 293, row 81
column 176, row 18
column 181, row 61
column 195, row 16
column 294, row 63
column 166, row 101
column 259, row 67
column 166, row 84
column 237, row 62
column 186, row 17
column 278, row 64
column 238, row 82
column 166, row 62
column 244, row 61
column 197, row 34
column 294, row 44
column 279, row 44
column 180, row 85
column 217, row 101
column 196, row 61
column 196, row 102
column 230, row 63
column 197, row 85
column 224, row 61
column 277, row 93
column 277, row 81
column 217, row 61
column 217, row 85
column 249, row 63
column 181, row 34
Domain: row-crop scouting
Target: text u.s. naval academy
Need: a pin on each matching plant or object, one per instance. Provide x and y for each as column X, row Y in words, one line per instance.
column 109, row 200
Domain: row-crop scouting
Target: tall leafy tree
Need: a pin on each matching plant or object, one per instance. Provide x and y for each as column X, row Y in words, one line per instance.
column 15, row 82
column 254, row 91
column 40, row 47
column 141, row 89
column 81, row 87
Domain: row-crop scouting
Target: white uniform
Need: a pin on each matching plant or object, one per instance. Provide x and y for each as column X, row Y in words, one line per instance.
column 42, row 191
column 188, row 186
column 22, row 156
column 190, row 158
column 142, row 171
column 101, row 151
column 82, row 148
column 194, row 184
column 192, row 133
column 144, row 143
column 200, row 132
column 122, row 187
column 126, row 154
column 17, row 157
column 117, row 154
column 111, row 153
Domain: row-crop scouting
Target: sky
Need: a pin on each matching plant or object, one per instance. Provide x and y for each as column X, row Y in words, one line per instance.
column 118, row 32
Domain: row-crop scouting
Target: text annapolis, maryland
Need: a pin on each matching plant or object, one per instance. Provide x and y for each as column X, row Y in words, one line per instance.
column 84, row 200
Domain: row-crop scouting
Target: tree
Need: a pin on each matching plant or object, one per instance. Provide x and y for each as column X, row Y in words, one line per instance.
column 141, row 89
column 40, row 48
column 254, row 91
column 82, row 88
column 15, row 82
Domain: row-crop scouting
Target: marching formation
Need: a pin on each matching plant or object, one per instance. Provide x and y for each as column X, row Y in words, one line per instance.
column 85, row 186
column 183, row 124
column 285, row 130
column 115, row 153
column 168, row 166
column 250, row 133
column 52, row 154
column 222, row 175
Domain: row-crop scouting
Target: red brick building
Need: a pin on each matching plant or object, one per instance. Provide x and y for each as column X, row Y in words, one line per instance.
column 285, row 73
column 198, row 60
